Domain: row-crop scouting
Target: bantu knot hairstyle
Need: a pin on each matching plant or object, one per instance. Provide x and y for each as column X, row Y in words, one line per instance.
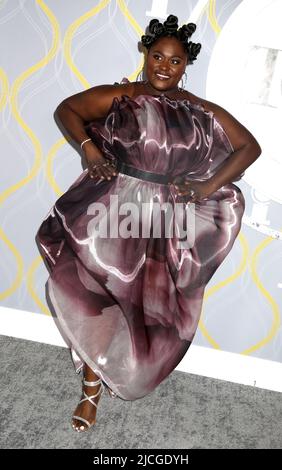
column 170, row 28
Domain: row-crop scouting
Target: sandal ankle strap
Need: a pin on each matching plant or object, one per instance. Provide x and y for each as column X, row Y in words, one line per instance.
column 91, row 384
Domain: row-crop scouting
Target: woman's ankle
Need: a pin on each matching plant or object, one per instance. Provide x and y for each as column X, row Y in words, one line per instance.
column 89, row 374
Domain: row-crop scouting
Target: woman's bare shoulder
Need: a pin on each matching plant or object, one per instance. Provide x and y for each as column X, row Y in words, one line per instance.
column 96, row 101
column 238, row 134
column 207, row 105
column 124, row 88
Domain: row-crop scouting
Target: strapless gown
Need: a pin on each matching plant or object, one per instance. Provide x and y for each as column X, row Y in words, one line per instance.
column 130, row 306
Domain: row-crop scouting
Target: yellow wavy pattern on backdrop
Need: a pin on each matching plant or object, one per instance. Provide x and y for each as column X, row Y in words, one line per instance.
column 10, row 246
column 13, row 99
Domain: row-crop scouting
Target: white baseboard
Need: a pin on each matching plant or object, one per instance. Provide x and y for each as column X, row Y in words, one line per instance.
column 198, row 360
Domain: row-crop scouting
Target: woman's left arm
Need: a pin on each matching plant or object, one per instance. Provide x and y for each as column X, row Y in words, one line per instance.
column 246, row 151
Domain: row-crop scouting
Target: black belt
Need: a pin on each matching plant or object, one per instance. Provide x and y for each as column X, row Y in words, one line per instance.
column 143, row 175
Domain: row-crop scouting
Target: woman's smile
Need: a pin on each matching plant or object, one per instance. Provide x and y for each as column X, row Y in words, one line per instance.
column 162, row 76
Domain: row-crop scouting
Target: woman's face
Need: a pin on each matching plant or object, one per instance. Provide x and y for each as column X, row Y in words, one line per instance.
column 166, row 57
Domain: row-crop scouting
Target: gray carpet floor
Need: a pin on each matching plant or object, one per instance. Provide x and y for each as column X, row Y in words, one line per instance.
column 40, row 390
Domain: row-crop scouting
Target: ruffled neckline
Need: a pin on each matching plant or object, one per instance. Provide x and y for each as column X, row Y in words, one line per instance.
column 165, row 97
column 175, row 102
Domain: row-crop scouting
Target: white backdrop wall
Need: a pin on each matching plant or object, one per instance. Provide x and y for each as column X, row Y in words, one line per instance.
column 52, row 49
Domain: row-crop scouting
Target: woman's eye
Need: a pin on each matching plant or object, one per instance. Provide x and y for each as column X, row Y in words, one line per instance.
column 174, row 61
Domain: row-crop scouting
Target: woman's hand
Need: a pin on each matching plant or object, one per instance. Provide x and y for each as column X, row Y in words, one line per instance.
column 101, row 169
column 196, row 190
column 98, row 166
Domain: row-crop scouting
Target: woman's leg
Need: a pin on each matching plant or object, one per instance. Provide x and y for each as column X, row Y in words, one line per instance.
column 86, row 409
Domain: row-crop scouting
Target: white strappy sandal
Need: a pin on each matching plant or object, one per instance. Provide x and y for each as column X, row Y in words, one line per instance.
column 89, row 398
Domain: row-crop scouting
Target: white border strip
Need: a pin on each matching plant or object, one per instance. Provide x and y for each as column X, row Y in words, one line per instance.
column 208, row 362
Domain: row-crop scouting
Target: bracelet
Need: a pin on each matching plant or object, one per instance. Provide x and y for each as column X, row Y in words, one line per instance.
column 86, row 140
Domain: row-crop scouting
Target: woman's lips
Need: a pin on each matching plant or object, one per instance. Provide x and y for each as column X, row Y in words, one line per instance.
column 161, row 76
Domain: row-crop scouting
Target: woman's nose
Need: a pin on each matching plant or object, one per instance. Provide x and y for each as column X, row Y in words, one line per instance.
column 164, row 67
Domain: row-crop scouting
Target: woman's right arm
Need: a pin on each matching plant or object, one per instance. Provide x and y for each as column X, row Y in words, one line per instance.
column 89, row 105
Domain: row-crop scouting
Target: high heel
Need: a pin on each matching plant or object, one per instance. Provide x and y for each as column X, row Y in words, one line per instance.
column 87, row 397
